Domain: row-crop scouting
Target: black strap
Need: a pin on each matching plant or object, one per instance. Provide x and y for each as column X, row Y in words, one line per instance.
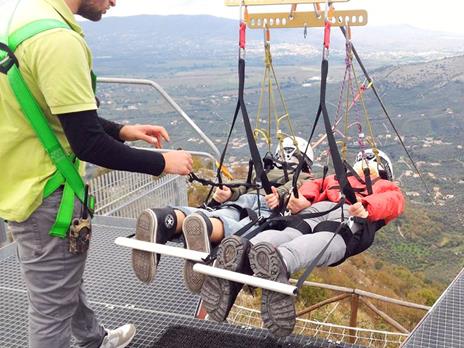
column 221, row 161
column 324, row 176
column 314, row 263
column 354, row 173
column 367, row 177
column 250, row 172
column 340, row 170
column 299, row 168
column 322, row 213
column 256, row 157
column 206, row 182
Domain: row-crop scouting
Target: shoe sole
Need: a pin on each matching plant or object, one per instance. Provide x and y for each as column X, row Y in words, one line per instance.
column 216, row 292
column 144, row 262
column 196, row 238
column 277, row 310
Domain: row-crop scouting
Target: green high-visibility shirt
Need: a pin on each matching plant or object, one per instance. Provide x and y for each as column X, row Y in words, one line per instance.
column 56, row 66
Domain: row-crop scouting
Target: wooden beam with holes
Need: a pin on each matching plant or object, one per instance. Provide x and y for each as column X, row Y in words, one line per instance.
column 275, row 2
column 354, row 18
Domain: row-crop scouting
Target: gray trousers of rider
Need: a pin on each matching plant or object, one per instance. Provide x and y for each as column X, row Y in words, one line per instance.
column 58, row 307
column 298, row 249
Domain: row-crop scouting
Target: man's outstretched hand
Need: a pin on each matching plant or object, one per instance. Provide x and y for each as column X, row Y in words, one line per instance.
column 178, row 162
column 153, row 135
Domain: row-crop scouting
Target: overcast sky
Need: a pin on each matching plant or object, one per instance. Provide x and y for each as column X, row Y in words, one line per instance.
column 425, row 14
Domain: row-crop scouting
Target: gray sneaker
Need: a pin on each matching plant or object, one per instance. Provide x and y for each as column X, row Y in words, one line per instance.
column 119, row 338
column 197, row 229
column 218, row 294
column 153, row 225
column 277, row 310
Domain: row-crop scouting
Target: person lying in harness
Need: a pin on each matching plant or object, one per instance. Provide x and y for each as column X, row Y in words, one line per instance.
column 234, row 209
column 276, row 254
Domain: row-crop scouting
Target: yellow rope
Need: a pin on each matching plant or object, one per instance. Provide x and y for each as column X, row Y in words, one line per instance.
column 267, row 87
column 371, row 138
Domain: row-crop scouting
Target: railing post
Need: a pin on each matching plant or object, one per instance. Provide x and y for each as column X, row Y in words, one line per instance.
column 3, row 236
column 354, row 316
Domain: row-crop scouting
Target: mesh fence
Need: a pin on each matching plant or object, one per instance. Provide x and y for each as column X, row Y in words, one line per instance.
column 125, row 194
column 240, row 315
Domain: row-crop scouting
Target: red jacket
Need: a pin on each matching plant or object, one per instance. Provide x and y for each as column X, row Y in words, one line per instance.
column 385, row 203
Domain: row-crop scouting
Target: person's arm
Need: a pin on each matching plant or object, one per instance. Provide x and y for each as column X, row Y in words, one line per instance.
column 91, row 143
column 386, row 203
column 111, row 128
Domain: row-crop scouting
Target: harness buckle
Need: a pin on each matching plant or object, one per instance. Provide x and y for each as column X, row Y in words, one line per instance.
column 261, row 220
column 7, row 62
column 350, row 222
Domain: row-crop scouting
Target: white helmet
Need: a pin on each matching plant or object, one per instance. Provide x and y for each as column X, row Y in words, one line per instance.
column 290, row 148
column 385, row 166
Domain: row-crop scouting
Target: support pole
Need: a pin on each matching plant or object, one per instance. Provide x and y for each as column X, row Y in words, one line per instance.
column 385, row 317
column 354, row 316
column 322, row 303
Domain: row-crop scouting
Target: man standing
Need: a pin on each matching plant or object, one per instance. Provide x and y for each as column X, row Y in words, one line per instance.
column 56, row 64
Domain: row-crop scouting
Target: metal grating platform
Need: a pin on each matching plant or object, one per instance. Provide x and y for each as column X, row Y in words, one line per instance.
column 443, row 326
column 118, row 297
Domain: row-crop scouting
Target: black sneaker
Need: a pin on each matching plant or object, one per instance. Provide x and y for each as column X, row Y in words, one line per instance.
column 197, row 229
column 277, row 310
column 153, row 225
column 218, row 294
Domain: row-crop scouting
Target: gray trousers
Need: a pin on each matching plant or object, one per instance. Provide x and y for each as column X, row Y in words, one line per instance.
column 58, row 307
column 298, row 249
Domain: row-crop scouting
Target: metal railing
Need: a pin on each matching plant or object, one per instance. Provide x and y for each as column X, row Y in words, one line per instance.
column 169, row 100
column 3, row 236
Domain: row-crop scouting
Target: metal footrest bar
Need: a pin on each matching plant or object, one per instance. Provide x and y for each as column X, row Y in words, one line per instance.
column 200, row 267
column 246, row 279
